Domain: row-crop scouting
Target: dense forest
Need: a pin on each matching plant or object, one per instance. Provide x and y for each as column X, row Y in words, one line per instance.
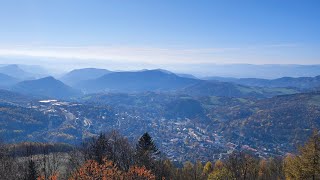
column 112, row 156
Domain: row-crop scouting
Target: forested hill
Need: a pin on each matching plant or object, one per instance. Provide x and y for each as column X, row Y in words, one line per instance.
column 281, row 122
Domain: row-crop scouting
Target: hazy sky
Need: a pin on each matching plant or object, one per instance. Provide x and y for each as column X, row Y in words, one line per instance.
column 163, row 32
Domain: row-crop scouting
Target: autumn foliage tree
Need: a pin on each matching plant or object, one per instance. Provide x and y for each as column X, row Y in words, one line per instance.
column 107, row 170
column 139, row 173
column 220, row 172
column 306, row 165
column 271, row 168
column 242, row 166
column 207, row 169
column 93, row 170
column 52, row 177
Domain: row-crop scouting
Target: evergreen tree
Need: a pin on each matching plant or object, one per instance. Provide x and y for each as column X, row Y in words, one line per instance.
column 32, row 173
column 99, row 148
column 146, row 145
column 146, row 151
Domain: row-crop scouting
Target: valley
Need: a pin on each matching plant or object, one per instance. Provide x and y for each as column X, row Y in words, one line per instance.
column 211, row 126
column 190, row 119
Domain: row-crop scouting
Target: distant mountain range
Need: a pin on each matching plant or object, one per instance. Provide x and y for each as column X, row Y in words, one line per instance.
column 148, row 80
column 165, row 81
column 268, row 71
column 302, row 83
column 13, row 98
column 7, row 81
column 16, row 72
column 187, row 76
column 46, row 87
column 93, row 80
column 227, row 89
column 75, row 76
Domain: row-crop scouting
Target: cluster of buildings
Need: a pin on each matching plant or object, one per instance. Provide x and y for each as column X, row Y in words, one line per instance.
column 179, row 139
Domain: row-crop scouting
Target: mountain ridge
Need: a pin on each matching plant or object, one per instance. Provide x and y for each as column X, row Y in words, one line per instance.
column 46, row 87
column 147, row 80
column 15, row 71
column 302, row 83
column 77, row 75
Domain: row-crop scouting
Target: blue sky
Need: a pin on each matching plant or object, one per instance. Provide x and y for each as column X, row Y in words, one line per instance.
column 98, row 32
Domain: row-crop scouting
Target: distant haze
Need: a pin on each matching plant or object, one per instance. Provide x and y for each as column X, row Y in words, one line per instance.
column 58, row 67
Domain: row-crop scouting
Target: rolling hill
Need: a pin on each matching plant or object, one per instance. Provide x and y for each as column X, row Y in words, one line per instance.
column 165, row 81
column 7, row 81
column 265, row 71
column 148, row 80
column 281, row 122
column 215, row 88
column 302, row 83
column 15, row 71
column 18, row 123
column 13, row 98
column 46, row 87
column 77, row 75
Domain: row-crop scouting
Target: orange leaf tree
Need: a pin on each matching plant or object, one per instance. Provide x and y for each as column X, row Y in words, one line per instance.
column 93, row 170
column 139, row 173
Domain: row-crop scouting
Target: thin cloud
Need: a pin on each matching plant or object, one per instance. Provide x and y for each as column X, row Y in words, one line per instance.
column 130, row 54
column 97, row 54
